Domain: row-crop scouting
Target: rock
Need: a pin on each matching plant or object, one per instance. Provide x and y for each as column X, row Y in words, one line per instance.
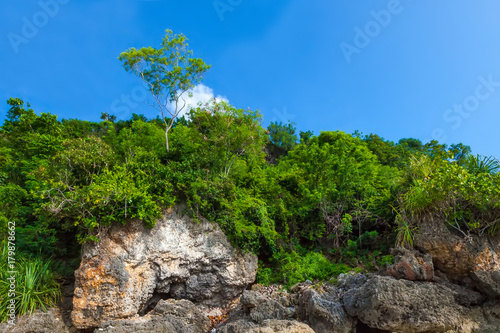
column 452, row 253
column 385, row 303
column 170, row 316
column 488, row 282
column 411, row 265
column 324, row 312
column 465, row 296
column 491, row 323
column 40, row 322
column 261, row 311
column 267, row 326
column 132, row 267
column 261, row 308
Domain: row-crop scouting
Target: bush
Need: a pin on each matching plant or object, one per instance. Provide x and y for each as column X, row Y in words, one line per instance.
column 36, row 286
column 295, row 268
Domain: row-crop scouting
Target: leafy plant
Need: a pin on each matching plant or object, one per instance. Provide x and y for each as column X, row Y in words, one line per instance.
column 404, row 237
column 36, row 286
column 482, row 164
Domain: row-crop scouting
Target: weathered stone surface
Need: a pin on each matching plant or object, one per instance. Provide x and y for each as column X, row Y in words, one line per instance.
column 261, row 308
column 40, row 322
column 324, row 312
column 488, row 282
column 170, row 316
column 267, row 326
column 385, row 303
column 452, row 253
column 491, row 322
column 179, row 258
column 465, row 296
column 411, row 265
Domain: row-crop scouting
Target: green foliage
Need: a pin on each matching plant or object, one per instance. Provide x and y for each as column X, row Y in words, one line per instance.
column 169, row 72
column 466, row 196
column 404, row 236
column 69, row 180
column 282, row 139
column 36, row 286
column 295, row 268
column 481, row 164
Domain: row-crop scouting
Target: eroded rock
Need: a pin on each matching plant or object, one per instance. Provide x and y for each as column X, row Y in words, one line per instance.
column 261, row 308
column 488, row 282
column 385, row 303
column 170, row 316
column 452, row 253
column 411, row 265
column 261, row 312
column 39, row 322
column 132, row 267
column 267, row 326
column 324, row 312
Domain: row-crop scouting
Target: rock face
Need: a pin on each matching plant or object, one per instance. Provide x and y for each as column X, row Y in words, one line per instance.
column 40, row 322
column 385, row 303
column 488, row 282
column 133, row 267
column 267, row 326
column 261, row 308
column 452, row 253
column 411, row 265
column 169, row 316
column 257, row 313
column 324, row 312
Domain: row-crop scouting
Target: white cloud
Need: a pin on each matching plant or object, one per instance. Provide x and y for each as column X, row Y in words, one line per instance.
column 200, row 94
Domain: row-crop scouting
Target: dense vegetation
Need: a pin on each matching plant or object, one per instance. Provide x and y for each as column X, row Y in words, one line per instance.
column 309, row 206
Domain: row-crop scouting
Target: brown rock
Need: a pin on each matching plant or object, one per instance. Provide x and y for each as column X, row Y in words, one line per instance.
column 39, row 322
column 169, row 316
column 411, row 265
column 132, row 267
column 454, row 254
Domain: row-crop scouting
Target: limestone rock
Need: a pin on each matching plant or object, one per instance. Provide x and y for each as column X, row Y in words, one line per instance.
column 260, row 312
column 452, row 253
column 39, row 322
column 411, row 265
column 488, row 282
column 132, row 267
column 170, row 316
column 267, row 326
column 385, row 303
column 324, row 312
column 261, row 308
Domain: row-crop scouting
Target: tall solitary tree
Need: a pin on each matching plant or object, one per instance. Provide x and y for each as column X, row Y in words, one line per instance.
column 169, row 72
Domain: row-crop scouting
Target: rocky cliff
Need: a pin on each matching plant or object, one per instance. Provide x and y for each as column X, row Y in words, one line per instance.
column 166, row 279
column 133, row 267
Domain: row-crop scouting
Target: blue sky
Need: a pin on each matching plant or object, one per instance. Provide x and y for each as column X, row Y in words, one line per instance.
column 422, row 69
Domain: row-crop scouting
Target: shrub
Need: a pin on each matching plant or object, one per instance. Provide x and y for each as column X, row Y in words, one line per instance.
column 36, row 286
column 295, row 268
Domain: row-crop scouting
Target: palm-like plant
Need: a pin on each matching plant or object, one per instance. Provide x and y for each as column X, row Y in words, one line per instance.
column 477, row 164
column 36, row 286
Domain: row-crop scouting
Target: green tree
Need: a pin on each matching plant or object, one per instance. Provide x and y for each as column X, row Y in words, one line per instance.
column 282, row 139
column 169, row 73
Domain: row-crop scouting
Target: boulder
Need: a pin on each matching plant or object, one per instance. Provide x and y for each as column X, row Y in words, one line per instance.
column 39, row 322
column 261, row 308
column 169, row 316
column 324, row 312
column 411, row 265
column 454, row 254
column 261, row 311
column 267, row 326
column 132, row 267
column 385, row 303
column 488, row 282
